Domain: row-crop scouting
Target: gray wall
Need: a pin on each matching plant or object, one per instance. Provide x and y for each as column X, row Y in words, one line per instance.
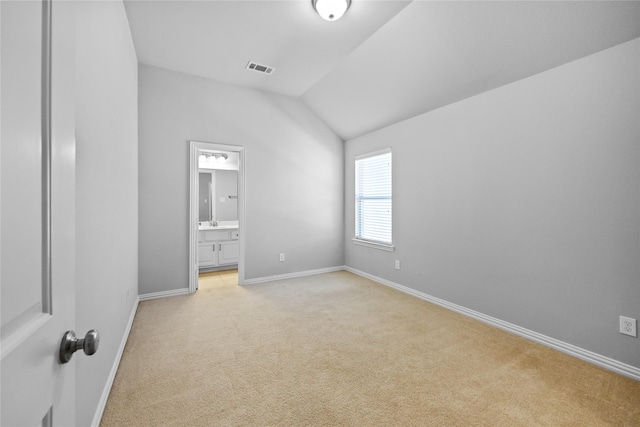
column 523, row 203
column 107, row 190
column 294, row 176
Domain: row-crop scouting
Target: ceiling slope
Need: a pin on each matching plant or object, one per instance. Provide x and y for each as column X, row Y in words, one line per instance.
column 216, row 38
column 435, row 53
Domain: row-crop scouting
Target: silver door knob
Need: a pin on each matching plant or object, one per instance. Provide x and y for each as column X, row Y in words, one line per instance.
column 70, row 344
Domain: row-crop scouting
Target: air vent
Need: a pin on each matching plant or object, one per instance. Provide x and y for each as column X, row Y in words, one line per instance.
column 264, row 69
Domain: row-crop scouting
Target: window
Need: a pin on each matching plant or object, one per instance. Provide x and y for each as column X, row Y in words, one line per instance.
column 373, row 200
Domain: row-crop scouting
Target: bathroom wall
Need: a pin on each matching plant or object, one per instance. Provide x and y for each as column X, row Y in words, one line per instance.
column 226, row 183
column 294, row 176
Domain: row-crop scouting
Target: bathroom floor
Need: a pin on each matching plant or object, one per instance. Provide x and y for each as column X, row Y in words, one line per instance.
column 218, row 279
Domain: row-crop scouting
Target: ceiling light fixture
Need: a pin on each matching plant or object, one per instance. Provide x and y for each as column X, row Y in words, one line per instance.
column 331, row 10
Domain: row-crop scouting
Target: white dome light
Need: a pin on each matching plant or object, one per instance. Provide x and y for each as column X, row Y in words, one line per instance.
column 331, row 10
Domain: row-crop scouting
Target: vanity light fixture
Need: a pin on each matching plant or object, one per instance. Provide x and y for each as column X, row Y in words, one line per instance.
column 204, row 155
column 331, row 10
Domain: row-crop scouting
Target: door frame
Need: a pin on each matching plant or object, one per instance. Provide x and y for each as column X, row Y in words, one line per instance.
column 194, row 148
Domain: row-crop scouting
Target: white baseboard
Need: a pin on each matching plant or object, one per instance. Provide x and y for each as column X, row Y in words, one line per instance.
column 112, row 375
column 163, row 294
column 570, row 349
column 293, row 275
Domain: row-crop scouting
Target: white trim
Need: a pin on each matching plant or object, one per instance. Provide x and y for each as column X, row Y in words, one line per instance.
column 374, row 245
column 164, row 294
column 570, row 349
column 194, row 147
column 193, row 216
column 114, row 369
column 293, row 275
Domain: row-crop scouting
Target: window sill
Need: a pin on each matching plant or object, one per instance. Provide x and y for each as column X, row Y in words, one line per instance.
column 374, row 245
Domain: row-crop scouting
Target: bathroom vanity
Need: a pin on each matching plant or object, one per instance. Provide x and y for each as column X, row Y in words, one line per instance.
column 218, row 244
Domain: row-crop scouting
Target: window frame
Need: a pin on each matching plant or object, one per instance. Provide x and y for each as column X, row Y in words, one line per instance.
column 381, row 245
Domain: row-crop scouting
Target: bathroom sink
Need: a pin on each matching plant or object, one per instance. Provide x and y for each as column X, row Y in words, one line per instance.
column 222, row 225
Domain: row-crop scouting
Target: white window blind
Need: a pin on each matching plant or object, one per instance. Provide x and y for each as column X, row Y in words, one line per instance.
column 373, row 197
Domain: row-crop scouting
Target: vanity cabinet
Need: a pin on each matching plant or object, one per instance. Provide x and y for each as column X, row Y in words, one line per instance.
column 218, row 247
column 207, row 255
column 228, row 252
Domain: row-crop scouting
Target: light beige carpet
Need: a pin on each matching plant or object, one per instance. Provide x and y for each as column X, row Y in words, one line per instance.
column 339, row 350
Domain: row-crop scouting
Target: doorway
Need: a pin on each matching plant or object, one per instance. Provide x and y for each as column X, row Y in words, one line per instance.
column 230, row 158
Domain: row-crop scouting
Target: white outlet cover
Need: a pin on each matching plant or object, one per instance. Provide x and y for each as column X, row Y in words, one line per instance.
column 628, row 326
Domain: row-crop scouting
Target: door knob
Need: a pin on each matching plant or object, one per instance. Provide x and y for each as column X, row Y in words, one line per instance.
column 70, row 344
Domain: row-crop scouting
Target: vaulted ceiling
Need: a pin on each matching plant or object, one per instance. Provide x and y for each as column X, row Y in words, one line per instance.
column 385, row 60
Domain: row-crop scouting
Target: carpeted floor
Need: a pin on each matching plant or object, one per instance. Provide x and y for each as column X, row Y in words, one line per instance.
column 339, row 350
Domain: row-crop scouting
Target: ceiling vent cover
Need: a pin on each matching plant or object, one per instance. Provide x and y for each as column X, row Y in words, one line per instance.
column 264, row 69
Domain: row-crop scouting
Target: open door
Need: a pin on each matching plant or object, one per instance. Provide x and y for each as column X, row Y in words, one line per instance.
column 37, row 211
column 195, row 147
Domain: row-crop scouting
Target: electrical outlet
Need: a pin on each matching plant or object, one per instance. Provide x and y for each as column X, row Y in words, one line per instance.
column 127, row 296
column 397, row 264
column 628, row 326
column 281, row 257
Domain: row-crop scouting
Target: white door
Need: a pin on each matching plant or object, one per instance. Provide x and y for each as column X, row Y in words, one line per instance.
column 37, row 277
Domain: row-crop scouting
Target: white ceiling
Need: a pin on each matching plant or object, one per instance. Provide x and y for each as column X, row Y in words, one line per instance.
column 217, row 39
column 435, row 53
column 385, row 60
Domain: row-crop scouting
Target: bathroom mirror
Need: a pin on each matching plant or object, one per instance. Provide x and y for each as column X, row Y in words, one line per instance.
column 218, row 195
column 204, row 196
